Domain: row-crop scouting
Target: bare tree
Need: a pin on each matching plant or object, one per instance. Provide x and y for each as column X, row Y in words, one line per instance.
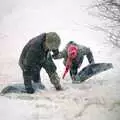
column 109, row 11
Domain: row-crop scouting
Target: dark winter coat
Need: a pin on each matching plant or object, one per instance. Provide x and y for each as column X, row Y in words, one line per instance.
column 34, row 53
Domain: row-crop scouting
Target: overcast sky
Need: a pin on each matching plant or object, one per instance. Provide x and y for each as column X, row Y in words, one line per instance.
column 20, row 20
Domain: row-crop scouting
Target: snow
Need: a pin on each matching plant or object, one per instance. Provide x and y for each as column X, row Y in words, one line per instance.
column 96, row 99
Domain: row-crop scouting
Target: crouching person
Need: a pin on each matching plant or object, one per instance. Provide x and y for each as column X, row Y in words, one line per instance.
column 73, row 55
column 36, row 55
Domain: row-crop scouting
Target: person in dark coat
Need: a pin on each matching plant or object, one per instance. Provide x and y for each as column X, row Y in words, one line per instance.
column 73, row 55
column 36, row 55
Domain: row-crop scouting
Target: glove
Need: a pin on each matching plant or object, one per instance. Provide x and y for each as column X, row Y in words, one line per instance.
column 55, row 53
column 30, row 90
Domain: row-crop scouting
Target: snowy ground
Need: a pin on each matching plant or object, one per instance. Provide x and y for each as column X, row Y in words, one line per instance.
column 96, row 99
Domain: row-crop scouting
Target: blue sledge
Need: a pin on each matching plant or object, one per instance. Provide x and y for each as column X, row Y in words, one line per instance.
column 91, row 70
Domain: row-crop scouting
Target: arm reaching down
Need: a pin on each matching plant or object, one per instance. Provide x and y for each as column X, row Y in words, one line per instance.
column 90, row 56
column 59, row 55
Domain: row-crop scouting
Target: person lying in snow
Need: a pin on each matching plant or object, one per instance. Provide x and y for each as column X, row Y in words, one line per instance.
column 73, row 55
column 35, row 55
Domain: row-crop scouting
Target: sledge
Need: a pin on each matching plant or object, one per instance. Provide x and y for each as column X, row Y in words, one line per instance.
column 18, row 88
column 91, row 70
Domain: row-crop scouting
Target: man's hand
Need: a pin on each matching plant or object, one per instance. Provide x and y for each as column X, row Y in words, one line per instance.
column 54, row 56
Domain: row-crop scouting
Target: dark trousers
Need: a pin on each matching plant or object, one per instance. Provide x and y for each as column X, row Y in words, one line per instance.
column 33, row 73
column 75, row 66
column 77, row 63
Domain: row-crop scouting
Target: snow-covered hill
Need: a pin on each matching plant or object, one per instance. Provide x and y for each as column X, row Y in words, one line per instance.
column 96, row 99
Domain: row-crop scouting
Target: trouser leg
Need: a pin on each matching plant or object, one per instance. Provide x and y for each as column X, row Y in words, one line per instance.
column 73, row 72
column 74, row 68
column 36, row 78
column 28, row 81
column 36, row 75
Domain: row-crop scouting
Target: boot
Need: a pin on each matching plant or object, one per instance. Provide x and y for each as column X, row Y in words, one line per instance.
column 30, row 90
column 28, row 84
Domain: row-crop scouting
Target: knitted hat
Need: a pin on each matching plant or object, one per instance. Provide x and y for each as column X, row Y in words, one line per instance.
column 52, row 40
